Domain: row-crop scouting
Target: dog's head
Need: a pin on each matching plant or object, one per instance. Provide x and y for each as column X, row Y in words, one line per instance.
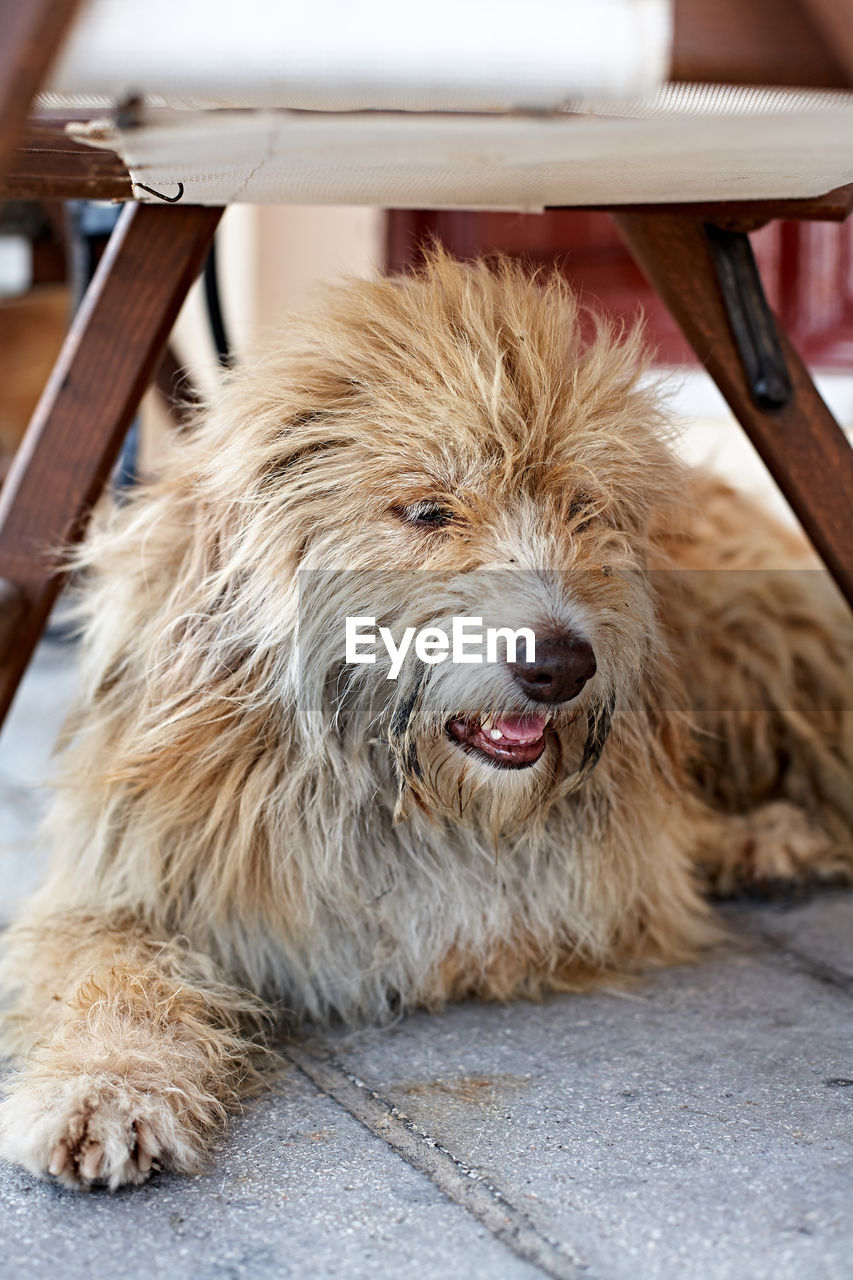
column 445, row 446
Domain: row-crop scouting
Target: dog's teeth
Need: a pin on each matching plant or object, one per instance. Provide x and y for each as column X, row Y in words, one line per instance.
column 486, row 725
column 495, row 734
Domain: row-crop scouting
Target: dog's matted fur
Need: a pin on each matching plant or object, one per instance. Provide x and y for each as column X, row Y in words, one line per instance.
column 242, row 825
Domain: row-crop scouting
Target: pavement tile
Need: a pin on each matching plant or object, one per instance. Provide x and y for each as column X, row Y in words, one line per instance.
column 818, row 931
column 694, row 1129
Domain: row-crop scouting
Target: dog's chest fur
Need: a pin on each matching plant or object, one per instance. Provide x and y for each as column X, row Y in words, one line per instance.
column 428, row 910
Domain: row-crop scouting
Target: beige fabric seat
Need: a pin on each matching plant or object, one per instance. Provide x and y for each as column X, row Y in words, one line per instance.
column 369, row 103
column 685, row 143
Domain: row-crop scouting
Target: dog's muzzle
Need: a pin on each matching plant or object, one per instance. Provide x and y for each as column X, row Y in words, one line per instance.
column 522, row 742
column 563, row 665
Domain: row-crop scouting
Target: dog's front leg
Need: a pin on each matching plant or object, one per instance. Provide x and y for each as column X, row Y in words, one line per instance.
column 132, row 1052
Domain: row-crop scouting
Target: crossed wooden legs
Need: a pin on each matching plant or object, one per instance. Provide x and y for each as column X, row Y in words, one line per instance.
column 106, row 363
column 802, row 445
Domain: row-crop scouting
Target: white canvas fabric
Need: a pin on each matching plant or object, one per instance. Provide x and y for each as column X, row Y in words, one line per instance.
column 490, row 104
column 351, row 55
column 685, row 143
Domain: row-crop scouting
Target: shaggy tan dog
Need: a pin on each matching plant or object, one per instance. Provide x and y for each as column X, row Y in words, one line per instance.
column 247, row 820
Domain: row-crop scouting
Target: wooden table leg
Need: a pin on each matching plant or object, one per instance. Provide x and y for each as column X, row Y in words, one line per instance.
column 31, row 32
column 802, row 445
column 73, row 440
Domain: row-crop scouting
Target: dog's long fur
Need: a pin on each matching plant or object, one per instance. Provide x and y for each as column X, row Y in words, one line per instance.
column 235, row 817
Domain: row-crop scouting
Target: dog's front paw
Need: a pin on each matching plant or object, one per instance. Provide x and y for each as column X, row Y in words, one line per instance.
column 91, row 1130
column 778, row 851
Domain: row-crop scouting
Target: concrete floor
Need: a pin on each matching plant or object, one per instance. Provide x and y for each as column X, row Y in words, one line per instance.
column 698, row 1128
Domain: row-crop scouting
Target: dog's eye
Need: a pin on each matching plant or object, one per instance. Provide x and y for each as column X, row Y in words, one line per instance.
column 427, row 515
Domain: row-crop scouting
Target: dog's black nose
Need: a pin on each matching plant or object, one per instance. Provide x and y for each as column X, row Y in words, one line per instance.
column 562, row 667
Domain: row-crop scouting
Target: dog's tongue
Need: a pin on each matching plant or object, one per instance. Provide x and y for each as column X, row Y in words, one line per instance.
column 520, row 728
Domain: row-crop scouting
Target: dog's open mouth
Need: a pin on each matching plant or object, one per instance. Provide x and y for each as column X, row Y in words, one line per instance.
column 509, row 742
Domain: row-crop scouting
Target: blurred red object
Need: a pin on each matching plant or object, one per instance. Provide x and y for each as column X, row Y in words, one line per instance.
column 807, row 269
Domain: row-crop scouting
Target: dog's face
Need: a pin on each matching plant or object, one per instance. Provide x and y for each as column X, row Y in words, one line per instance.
column 456, row 452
